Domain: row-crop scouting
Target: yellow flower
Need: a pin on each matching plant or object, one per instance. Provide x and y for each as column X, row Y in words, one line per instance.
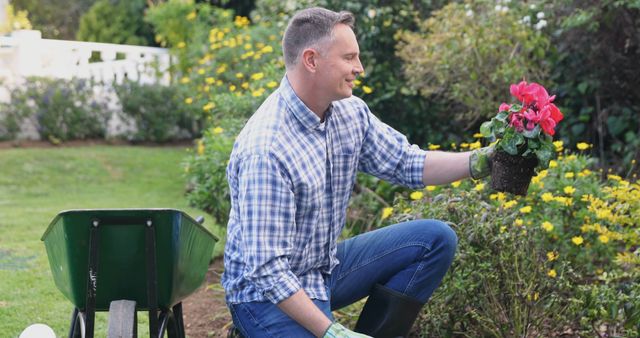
column 477, row 135
column 416, row 195
column 201, row 71
column 552, row 256
column 455, row 184
column 614, row 177
column 475, row 145
column 266, row 49
column 258, row 92
column 553, row 164
column 209, row 106
column 386, row 212
column 367, row 90
column 503, row 229
column 245, row 85
column 272, row 84
column 479, row 187
column 525, row 210
column 434, row 146
column 500, row 196
column 356, row 82
column 543, row 173
column 510, row 204
column 558, row 144
column 582, row 146
column 552, row 273
column 188, row 100
column 569, row 190
column 181, row 44
column 191, row 16
column 217, row 130
column 200, row 147
column 232, row 88
column 239, row 75
column 603, row 238
column 185, row 80
column 210, row 80
column 430, row 188
column 569, row 175
column 257, row 76
column 464, row 145
column 547, row 226
column 577, row 240
column 518, row 222
column 547, row 197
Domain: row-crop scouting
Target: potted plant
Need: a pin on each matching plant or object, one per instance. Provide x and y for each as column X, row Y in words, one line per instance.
column 523, row 133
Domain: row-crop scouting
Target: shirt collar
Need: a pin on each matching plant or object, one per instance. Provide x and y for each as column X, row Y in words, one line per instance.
column 307, row 118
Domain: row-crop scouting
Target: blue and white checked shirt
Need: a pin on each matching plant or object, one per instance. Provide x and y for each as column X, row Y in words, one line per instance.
column 290, row 178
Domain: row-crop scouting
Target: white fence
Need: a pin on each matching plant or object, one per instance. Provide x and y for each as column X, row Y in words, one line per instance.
column 24, row 53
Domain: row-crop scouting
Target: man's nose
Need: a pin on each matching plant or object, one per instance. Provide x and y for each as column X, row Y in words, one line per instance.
column 358, row 68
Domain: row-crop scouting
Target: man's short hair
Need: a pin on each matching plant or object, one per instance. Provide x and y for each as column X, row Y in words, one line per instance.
column 311, row 27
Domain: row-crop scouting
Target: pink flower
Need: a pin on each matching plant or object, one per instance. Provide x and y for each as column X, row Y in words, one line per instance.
column 515, row 120
column 531, row 94
column 504, row 107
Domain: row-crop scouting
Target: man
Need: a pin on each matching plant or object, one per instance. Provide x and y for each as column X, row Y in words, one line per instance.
column 291, row 174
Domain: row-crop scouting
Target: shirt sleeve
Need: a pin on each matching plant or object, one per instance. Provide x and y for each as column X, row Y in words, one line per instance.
column 387, row 154
column 267, row 218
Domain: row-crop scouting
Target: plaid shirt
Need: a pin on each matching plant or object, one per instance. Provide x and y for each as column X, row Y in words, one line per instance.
column 290, row 178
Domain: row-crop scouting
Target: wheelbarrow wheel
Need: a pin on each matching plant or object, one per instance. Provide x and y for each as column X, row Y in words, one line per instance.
column 123, row 319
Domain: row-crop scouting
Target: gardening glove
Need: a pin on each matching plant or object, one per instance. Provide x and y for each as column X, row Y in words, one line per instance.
column 336, row 330
column 480, row 162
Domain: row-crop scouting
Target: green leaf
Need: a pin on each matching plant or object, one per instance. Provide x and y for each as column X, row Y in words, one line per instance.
column 486, row 129
column 533, row 133
column 502, row 116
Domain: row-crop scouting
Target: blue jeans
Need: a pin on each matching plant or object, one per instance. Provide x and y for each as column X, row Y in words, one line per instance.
column 410, row 257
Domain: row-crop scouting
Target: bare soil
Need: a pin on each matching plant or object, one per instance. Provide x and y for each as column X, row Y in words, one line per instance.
column 205, row 312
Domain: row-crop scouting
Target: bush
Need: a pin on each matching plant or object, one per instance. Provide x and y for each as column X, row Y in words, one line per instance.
column 205, row 170
column 120, row 23
column 470, row 53
column 595, row 64
column 61, row 110
column 227, row 65
column 157, row 111
column 563, row 260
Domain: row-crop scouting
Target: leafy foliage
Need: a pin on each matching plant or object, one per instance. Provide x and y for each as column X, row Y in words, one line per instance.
column 61, row 109
column 466, row 52
column 120, row 23
column 157, row 111
column 563, row 260
column 57, row 19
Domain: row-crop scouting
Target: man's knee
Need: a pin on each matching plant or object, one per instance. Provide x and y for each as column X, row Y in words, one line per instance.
column 440, row 235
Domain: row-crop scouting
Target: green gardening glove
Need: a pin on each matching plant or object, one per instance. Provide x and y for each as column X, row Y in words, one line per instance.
column 480, row 162
column 336, row 330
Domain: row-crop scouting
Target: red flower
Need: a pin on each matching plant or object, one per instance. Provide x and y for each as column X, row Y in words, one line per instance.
column 504, row 107
column 531, row 94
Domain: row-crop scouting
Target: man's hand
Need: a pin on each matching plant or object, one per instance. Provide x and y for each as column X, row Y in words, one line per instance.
column 336, row 330
column 480, row 162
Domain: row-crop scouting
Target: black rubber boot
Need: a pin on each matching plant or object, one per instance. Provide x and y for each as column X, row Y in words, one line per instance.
column 388, row 313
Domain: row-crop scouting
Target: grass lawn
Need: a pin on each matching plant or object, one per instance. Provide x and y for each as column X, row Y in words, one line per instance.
column 36, row 184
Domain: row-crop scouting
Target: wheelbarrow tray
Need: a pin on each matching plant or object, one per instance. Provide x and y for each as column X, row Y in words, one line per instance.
column 183, row 252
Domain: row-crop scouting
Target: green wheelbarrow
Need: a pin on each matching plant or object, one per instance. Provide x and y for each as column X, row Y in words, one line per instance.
column 128, row 260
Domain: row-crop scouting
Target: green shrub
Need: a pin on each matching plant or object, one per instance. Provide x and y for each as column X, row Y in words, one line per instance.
column 61, row 109
column 157, row 111
column 470, row 53
column 227, row 65
column 120, row 22
column 565, row 258
column 205, row 170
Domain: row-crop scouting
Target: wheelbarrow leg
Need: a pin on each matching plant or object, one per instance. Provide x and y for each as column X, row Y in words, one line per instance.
column 92, row 279
column 152, row 279
column 177, row 314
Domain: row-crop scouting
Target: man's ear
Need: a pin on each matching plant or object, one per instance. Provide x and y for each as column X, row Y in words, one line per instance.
column 310, row 59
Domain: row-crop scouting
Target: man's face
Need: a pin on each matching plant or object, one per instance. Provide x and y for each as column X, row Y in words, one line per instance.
column 339, row 64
